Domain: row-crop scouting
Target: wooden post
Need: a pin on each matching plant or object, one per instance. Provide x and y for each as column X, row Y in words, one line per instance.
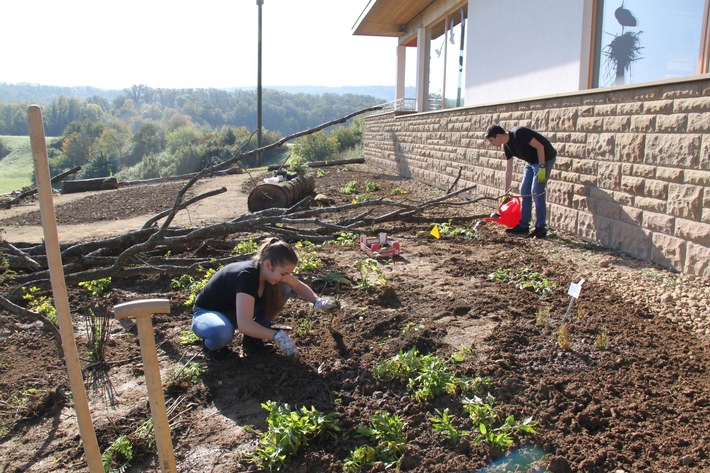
column 59, row 289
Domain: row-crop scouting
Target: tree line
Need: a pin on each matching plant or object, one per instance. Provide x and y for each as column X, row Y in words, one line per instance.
column 145, row 132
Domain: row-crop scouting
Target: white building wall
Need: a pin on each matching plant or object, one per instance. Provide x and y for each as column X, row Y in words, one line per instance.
column 522, row 48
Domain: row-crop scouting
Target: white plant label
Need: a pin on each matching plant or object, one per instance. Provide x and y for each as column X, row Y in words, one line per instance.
column 575, row 289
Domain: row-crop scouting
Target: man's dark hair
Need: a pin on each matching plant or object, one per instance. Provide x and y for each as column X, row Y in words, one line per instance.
column 494, row 130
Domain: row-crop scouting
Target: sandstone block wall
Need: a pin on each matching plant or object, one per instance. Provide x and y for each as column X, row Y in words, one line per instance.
column 632, row 172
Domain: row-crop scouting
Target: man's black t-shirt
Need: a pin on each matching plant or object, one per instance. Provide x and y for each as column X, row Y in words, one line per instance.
column 519, row 145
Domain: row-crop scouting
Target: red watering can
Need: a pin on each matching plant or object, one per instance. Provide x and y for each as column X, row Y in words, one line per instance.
column 509, row 213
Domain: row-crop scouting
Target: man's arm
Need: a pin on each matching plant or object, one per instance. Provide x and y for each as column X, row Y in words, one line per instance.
column 540, row 151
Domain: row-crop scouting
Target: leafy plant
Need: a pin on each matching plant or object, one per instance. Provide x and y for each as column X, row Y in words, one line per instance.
column 188, row 337
column 525, row 279
column 398, row 191
column 442, row 423
column 371, row 275
column 290, row 430
column 188, row 374
column 194, row 285
column 97, row 287
column 245, row 247
column 387, row 431
column 308, row 259
column 351, row 187
column 372, row 186
column 426, row 376
column 447, row 229
column 42, row 304
column 118, row 455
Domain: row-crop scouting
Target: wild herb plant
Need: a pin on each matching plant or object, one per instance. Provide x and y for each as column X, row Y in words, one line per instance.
column 188, row 337
column 320, row 172
column 194, row 285
column 525, row 279
column 118, row 456
column 40, row 304
column 363, row 198
column 498, row 433
column 351, row 187
column 447, row 229
column 427, row 377
column 371, row 275
column 245, row 247
column 6, row 273
column 386, row 430
column 289, row 431
column 188, row 374
column 398, row 191
column 97, row 287
column 601, row 342
column 372, row 186
column 443, row 424
column 563, row 337
column 344, row 239
column 542, row 317
column 98, row 333
column 308, row 259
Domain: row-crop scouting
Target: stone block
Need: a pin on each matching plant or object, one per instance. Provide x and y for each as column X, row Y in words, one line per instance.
column 606, row 110
column 658, row 106
column 630, row 214
column 562, row 218
column 699, row 122
column 668, row 251
column 609, row 176
column 675, row 123
column 631, row 239
column 656, row 189
column 694, row 231
column 695, row 104
column 604, row 208
column 601, row 146
column 700, row 178
column 648, row 203
column 669, row 174
column 630, row 108
column 685, row 201
column 585, row 166
column 705, row 154
column 697, row 260
column 643, row 123
column 684, row 89
column 564, row 119
column 590, row 124
column 658, row 222
column 618, row 124
column 632, row 185
column 630, row 147
column 643, row 170
column 672, row 150
column 594, row 227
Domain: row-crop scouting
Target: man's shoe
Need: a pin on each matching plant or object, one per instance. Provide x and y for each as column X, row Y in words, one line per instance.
column 538, row 233
column 255, row 346
column 216, row 355
column 517, row 230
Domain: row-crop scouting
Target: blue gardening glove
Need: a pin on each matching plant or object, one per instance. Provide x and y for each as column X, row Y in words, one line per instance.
column 326, row 304
column 286, row 345
column 541, row 175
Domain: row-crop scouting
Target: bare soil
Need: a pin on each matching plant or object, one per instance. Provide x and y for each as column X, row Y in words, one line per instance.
column 640, row 403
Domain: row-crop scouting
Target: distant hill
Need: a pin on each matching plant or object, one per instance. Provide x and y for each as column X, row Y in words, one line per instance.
column 44, row 94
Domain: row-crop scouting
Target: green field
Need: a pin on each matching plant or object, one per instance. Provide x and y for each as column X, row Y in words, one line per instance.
column 16, row 168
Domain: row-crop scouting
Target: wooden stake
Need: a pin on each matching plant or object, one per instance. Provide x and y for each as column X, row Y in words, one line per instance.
column 142, row 312
column 59, row 289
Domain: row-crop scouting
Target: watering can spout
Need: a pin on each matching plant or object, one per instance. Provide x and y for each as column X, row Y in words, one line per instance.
column 509, row 213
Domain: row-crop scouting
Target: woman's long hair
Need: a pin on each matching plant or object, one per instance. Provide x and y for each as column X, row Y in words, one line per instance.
column 278, row 253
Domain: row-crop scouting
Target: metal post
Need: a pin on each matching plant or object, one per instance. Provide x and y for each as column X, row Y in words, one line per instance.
column 259, row 3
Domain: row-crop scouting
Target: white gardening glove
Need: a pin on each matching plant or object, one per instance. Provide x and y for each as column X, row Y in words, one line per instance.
column 286, row 345
column 326, row 304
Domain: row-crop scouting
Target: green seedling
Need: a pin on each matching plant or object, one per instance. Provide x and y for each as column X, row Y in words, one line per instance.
column 563, row 337
column 97, row 287
column 371, row 275
column 188, row 374
column 448, row 230
column 188, row 337
column 443, row 424
column 308, row 259
column 490, row 428
column 387, row 432
column 398, row 191
column 118, row 455
column 345, row 239
column 320, row 173
column 525, row 279
column 41, row 305
column 245, row 247
column 602, row 342
column 372, row 186
column 351, row 187
column 289, row 431
column 98, row 334
column 194, row 285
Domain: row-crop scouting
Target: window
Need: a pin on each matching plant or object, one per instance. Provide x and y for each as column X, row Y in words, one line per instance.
column 446, row 61
column 646, row 40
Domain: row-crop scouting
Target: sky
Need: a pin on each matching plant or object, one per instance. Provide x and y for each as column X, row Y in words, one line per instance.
column 187, row 44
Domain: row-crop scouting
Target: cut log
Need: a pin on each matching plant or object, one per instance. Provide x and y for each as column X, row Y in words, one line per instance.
column 320, row 164
column 282, row 195
column 88, row 185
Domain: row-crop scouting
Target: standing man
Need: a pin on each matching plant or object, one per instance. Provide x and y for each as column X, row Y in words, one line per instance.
column 538, row 153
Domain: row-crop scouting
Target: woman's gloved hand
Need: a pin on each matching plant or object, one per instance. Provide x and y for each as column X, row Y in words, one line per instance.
column 286, row 345
column 326, row 304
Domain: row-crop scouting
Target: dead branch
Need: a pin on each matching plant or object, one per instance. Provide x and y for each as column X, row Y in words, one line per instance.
column 33, row 191
column 34, row 317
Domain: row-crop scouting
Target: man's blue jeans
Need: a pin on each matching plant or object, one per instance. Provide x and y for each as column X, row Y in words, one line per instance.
column 531, row 190
column 217, row 330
